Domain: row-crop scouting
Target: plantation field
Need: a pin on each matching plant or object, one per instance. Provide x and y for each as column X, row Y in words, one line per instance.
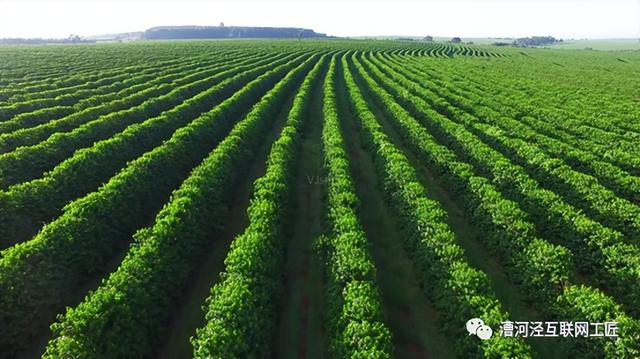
column 316, row 199
column 604, row 44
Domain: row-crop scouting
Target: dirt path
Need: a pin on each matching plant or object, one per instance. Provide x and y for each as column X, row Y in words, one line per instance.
column 300, row 331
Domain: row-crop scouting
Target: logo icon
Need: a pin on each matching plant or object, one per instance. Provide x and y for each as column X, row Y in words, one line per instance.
column 475, row 326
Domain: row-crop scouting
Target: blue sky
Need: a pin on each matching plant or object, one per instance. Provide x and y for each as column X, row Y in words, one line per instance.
column 465, row 18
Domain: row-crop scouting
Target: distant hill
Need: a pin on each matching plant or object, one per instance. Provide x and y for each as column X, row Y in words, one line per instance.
column 225, row 32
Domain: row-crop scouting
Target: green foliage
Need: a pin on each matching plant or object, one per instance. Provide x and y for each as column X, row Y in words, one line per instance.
column 30, row 162
column 254, row 263
column 162, row 264
column 89, row 167
column 356, row 321
column 133, row 149
column 95, row 227
column 515, row 230
column 580, row 303
column 459, row 291
column 31, row 128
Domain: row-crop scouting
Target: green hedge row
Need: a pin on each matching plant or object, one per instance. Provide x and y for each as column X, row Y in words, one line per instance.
column 583, row 190
column 40, row 85
column 542, row 269
column 356, row 320
column 26, row 163
column 597, row 249
column 241, row 311
column 24, row 207
column 38, row 277
column 71, row 97
column 580, row 304
column 562, row 124
column 459, row 291
column 95, row 106
column 487, row 110
column 144, row 69
column 127, row 315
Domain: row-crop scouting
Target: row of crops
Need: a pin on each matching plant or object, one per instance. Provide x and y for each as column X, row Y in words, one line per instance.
column 212, row 199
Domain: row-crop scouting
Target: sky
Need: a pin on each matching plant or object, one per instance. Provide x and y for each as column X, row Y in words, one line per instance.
column 465, row 18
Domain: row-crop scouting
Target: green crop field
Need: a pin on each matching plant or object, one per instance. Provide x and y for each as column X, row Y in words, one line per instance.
column 317, row 199
column 605, row 45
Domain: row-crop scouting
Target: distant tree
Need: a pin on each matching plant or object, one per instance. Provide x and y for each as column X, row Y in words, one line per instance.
column 73, row 38
column 221, row 24
column 428, row 38
column 535, row 41
column 456, row 40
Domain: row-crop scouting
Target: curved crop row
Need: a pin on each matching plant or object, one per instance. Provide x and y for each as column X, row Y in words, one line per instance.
column 69, row 97
column 156, row 268
column 459, row 291
column 543, row 270
column 623, row 154
column 130, row 98
column 241, row 311
column 121, row 75
column 7, row 112
column 576, row 188
column 594, row 116
column 356, row 320
column 104, row 103
column 37, row 73
column 25, row 206
column 46, row 70
column 31, row 162
column 38, row 277
column 489, row 111
column 597, row 249
column 580, row 304
column 547, row 136
column 30, row 96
